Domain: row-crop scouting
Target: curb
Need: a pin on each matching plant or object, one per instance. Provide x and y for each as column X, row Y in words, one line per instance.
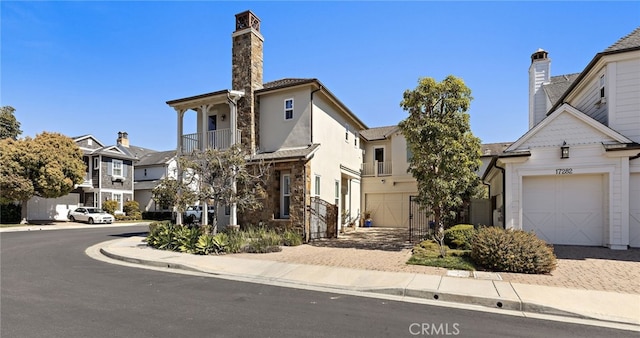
column 494, row 303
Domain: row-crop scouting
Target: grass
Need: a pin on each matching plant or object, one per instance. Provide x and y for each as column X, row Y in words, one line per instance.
column 427, row 253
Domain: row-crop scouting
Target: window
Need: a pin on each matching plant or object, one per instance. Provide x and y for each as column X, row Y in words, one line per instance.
column 355, row 139
column 117, row 198
column 96, row 163
column 317, row 186
column 116, row 169
column 227, row 210
column 337, row 190
column 346, row 132
column 285, row 195
column 602, row 82
column 145, row 172
column 409, row 153
column 288, row 109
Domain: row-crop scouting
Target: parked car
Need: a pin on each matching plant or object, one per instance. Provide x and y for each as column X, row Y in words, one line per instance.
column 194, row 212
column 90, row 215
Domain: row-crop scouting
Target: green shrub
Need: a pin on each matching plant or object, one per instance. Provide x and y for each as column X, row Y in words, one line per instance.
column 236, row 240
column 132, row 210
column 211, row 244
column 459, row 236
column 162, row 236
column 291, row 238
column 110, row 206
column 511, row 251
column 187, row 238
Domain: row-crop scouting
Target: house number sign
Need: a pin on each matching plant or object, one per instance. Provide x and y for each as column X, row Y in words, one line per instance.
column 564, row 171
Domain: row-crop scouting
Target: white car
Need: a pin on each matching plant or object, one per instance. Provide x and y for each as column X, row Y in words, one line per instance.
column 90, row 215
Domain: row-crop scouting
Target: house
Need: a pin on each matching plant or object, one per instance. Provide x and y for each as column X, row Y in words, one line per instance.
column 574, row 177
column 109, row 176
column 307, row 135
column 151, row 168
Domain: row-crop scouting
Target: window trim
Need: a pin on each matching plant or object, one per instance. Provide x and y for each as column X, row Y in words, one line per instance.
column 292, row 109
column 120, row 200
column 316, row 185
column 113, row 168
column 96, row 163
column 285, row 213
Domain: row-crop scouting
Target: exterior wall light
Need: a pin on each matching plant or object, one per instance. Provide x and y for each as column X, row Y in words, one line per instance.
column 564, row 150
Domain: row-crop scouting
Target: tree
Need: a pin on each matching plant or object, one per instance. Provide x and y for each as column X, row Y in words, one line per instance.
column 48, row 166
column 166, row 194
column 9, row 126
column 445, row 154
column 224, row 178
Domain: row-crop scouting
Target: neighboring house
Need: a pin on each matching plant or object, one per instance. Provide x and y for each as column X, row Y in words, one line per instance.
column 309, row 137
column 574, row 177
column 109, row 176
column 387, row 187
column 150, row 169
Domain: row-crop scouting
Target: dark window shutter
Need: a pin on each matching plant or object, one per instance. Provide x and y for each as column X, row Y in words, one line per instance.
column 109, row 168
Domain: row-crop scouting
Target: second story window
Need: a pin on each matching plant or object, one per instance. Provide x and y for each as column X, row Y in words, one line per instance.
column 317, row 186
column 117, row 168
column 96, row 163
column 346, row 132
column 288, row 109
column 602, row 85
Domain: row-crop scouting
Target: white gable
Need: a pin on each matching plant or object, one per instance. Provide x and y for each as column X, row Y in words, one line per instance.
column 569, row 125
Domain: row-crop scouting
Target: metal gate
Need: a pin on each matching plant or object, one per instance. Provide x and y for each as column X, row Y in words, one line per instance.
column 420, row 224
column 323, row 221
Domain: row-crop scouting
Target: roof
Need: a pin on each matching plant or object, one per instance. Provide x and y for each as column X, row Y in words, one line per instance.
column 628, row 43
column 139, row 152
column 632, row 40
column 491, row 149
column 154, row 158
column 286, row 82
column 145, row 185
column 286, row 154
column 558, row 85
column 377, row 133
column 201, row 96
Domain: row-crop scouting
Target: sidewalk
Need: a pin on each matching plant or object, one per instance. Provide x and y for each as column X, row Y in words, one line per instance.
column 485, row 289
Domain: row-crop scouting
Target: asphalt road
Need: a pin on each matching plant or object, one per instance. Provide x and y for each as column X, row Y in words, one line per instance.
column 50, row 288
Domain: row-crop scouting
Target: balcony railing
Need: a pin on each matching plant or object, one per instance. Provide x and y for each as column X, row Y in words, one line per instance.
column 215, row 139
column 86, row 182
column 376, row 169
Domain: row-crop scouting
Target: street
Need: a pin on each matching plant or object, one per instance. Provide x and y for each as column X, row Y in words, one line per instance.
column 51, row 288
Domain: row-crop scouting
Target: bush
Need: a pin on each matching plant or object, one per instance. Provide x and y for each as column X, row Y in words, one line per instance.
column 209, row 244
column 10, row 213
column 162, row 236
column 459, row 236
column 110, row 206
column 132, row 210
column 187, row 238
column 236, row 240
column 511, row 251
column 291, row 238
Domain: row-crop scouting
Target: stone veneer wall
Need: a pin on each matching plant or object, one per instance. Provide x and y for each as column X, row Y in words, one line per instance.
column 247, row 63
column 270, row 213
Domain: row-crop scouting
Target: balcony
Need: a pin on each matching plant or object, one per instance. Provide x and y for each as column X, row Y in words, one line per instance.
column 215, row 139
column 86, row 181
column 376, row 169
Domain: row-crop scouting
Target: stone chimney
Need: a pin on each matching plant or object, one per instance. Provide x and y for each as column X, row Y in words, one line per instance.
column 539, row 74
column 246, row 75
column 123, row 139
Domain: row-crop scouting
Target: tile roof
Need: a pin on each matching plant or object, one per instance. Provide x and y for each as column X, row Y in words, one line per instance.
column 378, row 133
column 632, row 40
column 155, row 158
column 558, row 86
column 287, row 153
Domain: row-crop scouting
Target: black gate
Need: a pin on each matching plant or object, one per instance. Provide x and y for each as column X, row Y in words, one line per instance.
column 323, row 222
column 420, row 224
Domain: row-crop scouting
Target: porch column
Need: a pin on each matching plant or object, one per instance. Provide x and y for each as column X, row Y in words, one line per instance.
column 178, row 167
column 233, row 112
column 204, row 112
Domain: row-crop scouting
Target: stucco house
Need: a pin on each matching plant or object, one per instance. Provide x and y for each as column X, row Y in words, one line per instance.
column 574, row 177
column 109, row 176
column 306, row 134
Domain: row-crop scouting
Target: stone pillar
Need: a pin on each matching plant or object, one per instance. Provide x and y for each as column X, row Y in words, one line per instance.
column 247, row 64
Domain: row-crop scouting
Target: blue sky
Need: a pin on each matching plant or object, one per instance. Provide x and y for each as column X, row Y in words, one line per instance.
column 102, row 67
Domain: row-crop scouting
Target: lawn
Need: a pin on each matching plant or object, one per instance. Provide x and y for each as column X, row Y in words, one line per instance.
column 427, row 253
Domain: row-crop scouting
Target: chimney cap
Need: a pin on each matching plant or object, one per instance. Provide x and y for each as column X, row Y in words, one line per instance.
column 539, row 54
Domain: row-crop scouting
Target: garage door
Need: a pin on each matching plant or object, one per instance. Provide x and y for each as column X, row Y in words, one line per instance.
column 564, row 209
column 634, row 211
column 388, row 210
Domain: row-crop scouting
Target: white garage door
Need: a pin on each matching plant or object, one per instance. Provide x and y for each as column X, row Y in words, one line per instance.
column 564, row 209
column 634, row 211
column 388, row 210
